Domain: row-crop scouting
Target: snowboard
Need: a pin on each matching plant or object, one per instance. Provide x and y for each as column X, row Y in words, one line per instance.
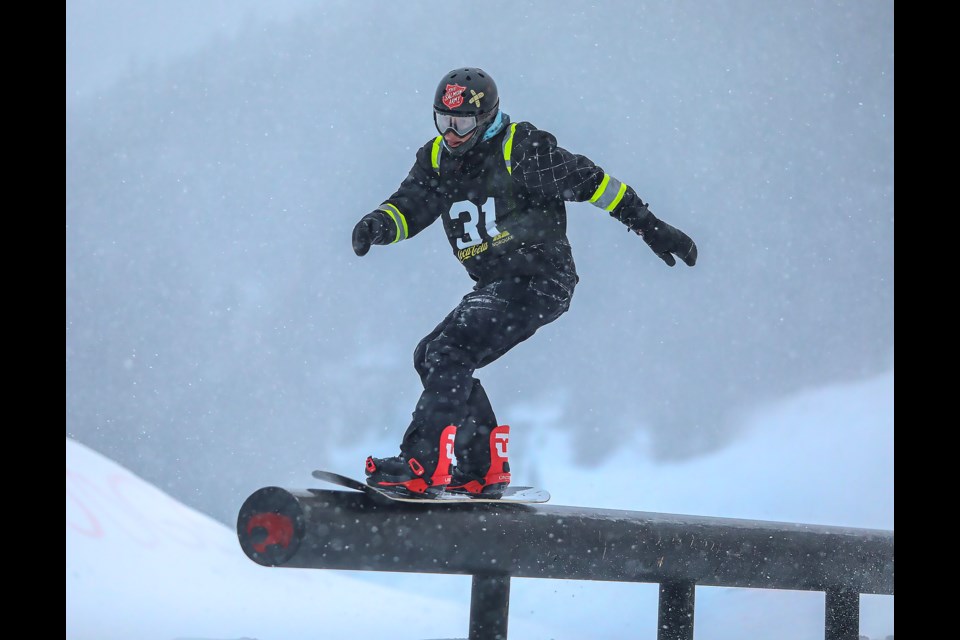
column 512, row 495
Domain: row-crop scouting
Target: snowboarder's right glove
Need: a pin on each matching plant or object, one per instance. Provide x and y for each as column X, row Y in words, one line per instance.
column 373, row 228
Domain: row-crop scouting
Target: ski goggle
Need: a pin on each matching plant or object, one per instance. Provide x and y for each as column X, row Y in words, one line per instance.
column 461, row 125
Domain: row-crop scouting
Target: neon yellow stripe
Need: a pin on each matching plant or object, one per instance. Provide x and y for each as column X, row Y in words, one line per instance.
column 616, row 201
column 601, row 188
column 396, row 223
column 435, row 153
column 399, row 221
column 403, row 220
column 508, row 148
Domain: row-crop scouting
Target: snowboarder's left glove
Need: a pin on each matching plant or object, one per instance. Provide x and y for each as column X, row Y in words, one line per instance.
column 664, row 239
column 372, row 229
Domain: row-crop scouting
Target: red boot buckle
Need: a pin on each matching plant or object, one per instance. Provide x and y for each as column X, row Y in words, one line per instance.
column 415, row 466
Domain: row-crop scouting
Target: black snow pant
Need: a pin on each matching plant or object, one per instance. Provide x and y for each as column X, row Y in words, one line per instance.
column 488, row 322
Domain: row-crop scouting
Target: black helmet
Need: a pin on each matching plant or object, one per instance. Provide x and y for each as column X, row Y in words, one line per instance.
column 466, row 100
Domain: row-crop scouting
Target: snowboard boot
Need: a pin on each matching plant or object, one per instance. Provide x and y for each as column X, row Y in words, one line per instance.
column 494, row 481
column 407, row 476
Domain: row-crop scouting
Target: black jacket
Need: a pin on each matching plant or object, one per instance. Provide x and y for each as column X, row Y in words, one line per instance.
column 503, row 202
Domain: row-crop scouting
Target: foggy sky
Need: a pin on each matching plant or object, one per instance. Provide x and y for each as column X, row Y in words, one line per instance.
column 218, row 323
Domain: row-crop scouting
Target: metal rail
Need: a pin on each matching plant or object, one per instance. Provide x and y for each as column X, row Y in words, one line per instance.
column 349, row 531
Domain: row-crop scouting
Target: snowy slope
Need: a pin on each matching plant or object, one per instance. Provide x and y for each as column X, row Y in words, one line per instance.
column 141, row 565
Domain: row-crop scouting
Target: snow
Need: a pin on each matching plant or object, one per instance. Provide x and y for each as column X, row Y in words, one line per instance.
column 142, row 565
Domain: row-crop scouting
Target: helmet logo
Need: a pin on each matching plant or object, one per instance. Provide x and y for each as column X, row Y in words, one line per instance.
column 476, row 97
column 453, row 96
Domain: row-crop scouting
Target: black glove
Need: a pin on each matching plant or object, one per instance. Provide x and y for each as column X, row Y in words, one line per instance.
column 371, row 229
column 666, row 240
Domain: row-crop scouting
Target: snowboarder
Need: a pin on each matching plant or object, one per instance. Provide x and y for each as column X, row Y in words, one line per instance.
column 500, row 188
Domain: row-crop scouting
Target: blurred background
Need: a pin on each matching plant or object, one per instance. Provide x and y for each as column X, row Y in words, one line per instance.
column 221, row 335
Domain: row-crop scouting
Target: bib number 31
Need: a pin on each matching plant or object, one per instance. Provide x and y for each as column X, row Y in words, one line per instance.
column 474, row 217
